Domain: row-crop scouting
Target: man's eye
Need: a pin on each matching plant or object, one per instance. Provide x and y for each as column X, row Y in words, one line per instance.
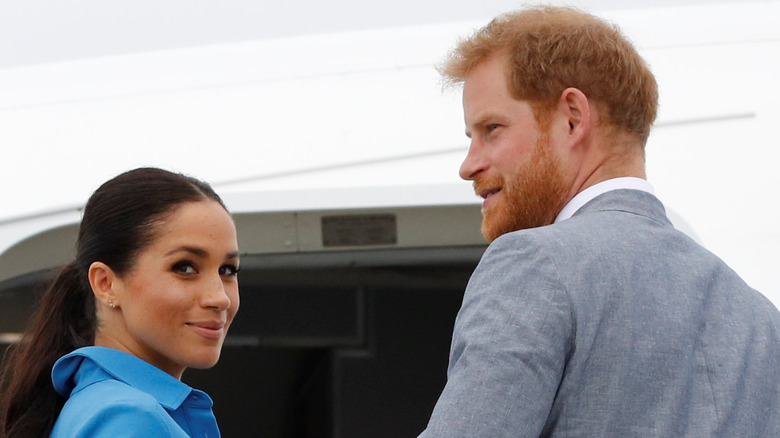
column 493, row 126
column 184, row 267
column 229, row 270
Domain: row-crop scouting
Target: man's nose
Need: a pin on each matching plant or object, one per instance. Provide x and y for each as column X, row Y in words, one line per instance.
column 473, row 164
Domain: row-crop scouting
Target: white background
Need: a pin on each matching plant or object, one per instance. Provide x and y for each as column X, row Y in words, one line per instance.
column 284, row 96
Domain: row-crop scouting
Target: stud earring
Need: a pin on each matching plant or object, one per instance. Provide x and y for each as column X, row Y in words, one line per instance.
column 111, row 304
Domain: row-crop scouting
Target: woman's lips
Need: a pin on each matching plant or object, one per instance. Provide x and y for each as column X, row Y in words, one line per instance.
column 208, row 330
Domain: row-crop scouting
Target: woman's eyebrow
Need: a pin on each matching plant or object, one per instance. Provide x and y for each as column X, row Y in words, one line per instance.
column 200, row 252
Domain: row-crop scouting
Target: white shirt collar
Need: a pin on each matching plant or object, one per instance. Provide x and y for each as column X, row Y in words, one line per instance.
column 591, row 192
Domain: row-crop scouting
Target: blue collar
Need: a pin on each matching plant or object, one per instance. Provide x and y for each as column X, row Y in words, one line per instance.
column 68, row 374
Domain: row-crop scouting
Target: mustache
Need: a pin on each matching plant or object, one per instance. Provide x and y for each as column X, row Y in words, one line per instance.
column 486, row 183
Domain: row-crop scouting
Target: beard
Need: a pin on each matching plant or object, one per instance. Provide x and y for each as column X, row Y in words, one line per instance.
column 532, row 199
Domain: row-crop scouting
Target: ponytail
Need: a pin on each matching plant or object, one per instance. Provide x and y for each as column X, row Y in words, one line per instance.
column 64, row 322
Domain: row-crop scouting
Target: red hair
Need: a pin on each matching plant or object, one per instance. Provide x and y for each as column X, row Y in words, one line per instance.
column 549, row 49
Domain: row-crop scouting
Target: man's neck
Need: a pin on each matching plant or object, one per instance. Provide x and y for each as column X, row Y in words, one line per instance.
column 609, row 157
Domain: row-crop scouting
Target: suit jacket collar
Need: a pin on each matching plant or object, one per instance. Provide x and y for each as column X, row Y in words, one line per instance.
column 628, row 201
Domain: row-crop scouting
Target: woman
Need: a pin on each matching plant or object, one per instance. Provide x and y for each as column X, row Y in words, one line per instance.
column 152, row 291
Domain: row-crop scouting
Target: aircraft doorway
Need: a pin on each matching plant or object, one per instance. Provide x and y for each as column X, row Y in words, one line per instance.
column 336, row 352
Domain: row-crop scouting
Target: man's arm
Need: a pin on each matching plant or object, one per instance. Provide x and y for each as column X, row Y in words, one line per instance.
column 510, row 344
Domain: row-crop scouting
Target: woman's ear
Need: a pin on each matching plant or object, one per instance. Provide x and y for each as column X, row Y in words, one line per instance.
column 103, row 281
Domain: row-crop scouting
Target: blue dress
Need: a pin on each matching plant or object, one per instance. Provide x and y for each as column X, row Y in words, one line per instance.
column 111, row 393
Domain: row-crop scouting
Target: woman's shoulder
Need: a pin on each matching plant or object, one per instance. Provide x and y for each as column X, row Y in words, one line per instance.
column 99, row 393
column 110, row 407
column 87, row 366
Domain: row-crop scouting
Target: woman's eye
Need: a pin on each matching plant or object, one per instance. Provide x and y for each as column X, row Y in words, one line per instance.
column 185, row 267
column 229, row 270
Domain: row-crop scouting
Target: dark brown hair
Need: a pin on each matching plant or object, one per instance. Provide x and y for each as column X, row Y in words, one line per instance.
column 119, row 221
column 548, row 49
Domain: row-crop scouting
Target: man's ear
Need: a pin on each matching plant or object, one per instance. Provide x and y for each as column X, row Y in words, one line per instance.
column 575, row 109
column 103, row 281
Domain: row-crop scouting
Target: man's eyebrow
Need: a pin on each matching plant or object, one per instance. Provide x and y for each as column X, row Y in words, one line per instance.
column 489, row 116
column 483, row 119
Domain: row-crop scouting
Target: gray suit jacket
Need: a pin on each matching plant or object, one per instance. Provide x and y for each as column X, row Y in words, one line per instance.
column 610, row 324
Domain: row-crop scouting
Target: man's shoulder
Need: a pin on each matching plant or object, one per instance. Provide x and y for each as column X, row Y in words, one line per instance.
column 569, row 233
column 610, row 233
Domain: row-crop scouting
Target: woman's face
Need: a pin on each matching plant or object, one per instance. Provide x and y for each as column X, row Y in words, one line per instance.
column 174, row 307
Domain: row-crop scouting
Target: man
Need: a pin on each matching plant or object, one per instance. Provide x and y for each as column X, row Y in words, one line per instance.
column 589, row 315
